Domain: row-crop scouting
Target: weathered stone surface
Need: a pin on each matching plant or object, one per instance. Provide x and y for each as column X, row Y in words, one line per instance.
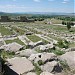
column 42, row 56
column 20, row 65
column 69, row 57
column 31, row 73
column 27, row 52
column 46, row 73
column 13, row 47
column 49, row 66
column 46, row 47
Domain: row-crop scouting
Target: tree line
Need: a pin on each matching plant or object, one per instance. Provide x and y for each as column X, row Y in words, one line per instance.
column 69, row 24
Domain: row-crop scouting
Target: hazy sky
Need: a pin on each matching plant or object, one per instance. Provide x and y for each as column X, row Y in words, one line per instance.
column 37, row 6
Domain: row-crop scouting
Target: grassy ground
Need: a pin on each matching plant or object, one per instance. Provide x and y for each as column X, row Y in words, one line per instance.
column 59, row 29
column 72, row 45
column 15, row 40
column 55, row 21
column 4, row 55
column 54, row 37
column 46, row 42
column 34, row 38
column 18, row 30
column 5, row 31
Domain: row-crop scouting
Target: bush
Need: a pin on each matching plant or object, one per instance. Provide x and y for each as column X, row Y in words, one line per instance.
column 64, row 65
column 37, row 69
column 58, row 52
column 40, row 62
column 63, row 44
column 6, row 54
column 68, row 25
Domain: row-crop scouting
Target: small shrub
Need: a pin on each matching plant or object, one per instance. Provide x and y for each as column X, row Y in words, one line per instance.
column 58, row 52
column 63, row 44
column 64, row 65
column 37, row 69
column 6, row 54
column 40, row 62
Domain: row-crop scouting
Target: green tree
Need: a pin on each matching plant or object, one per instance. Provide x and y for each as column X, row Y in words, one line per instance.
column 63, row 23
column 40, row 62
column 68, row 25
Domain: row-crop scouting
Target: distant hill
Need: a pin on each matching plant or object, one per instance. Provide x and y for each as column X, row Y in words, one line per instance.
column 1, row 13
column 35, row 13
column 4, row 13
column 45, row 13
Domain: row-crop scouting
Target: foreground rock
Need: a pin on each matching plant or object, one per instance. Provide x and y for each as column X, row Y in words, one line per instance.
column 69, row 57
column 46, row 73
column 42, row 56
column 49, row 66
column 27, row 52
column 13, row 47
column 46, row 47
column 31, row 73
column 19, row 65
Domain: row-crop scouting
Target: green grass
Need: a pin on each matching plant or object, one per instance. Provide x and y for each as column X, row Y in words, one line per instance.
column 34, row 38
column 58, row 52
column 15, row 40
column 54, row 37
column 63, row 44
column 4, row 55
column 37, row 69
column 58, row 29
column 45, row 41
column 18, row 30
column 5, row 31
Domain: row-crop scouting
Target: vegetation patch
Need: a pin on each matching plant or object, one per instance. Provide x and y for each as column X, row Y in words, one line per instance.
column 6, row 54
column 58, row 52
column 19, row 30
column 40, row 62
column 65, row 66
column 71, row 45
column 63, row 44
column 5, row 31
column 15, row 40
column 34, row 38
column 37, row 69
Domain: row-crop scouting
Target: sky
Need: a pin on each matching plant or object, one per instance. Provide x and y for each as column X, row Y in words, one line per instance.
column 63, row 6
